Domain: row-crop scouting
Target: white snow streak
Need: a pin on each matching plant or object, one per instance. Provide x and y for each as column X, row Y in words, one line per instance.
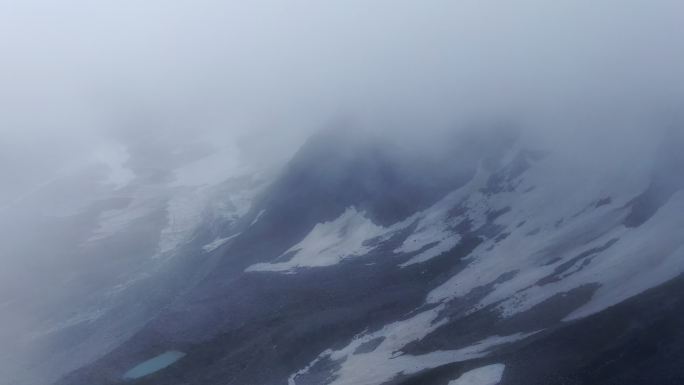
column 209, row 247
column 329, row 243
column 558, row 228
column 387, row 361
column 486, row 375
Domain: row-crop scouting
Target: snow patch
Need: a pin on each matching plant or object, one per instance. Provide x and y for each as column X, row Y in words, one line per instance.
column 566, row 241
column 184, row 214
column 435, row 228
column 187, row 210
column 111, row 222
column 209, row 247
column 329, row 243
column 387, row 361
column 438, row 249
column 486, row 375
column 256, row 219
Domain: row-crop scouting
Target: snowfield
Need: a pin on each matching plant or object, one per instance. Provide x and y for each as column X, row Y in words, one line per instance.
column 486, row 375
column 328, row 243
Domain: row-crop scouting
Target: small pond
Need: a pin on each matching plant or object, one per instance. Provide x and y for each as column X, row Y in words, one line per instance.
column 153, row 365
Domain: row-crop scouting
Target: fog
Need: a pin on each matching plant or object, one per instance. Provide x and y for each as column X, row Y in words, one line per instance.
column 128, row 85
column 80, row 76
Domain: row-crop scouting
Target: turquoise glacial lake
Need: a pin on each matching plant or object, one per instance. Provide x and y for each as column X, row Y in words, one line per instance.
column 153, row 365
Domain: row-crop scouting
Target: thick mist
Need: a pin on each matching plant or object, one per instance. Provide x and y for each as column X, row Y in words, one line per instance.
column 113, row 104
column 80, row 77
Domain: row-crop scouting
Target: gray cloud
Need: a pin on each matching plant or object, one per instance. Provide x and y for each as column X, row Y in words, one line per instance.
column 79, row 70
column 83, row 81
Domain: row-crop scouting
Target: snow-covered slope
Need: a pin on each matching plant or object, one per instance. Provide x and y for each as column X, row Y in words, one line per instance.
column 328, row 243
column 359, row 266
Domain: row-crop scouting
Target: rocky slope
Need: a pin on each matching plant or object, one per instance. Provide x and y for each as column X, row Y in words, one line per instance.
column 487, row 262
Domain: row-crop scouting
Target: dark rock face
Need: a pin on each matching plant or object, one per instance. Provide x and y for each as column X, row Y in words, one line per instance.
column 637, row 342
column 245, row 327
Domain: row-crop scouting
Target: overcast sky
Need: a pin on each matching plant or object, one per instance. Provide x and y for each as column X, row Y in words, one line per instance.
column 80, row 78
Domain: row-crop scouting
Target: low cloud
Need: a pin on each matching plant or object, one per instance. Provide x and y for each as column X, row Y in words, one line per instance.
column 82, row 79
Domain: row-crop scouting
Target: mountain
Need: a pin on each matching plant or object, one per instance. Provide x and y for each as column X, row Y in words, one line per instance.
column 86, row 256
column 365, row 261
